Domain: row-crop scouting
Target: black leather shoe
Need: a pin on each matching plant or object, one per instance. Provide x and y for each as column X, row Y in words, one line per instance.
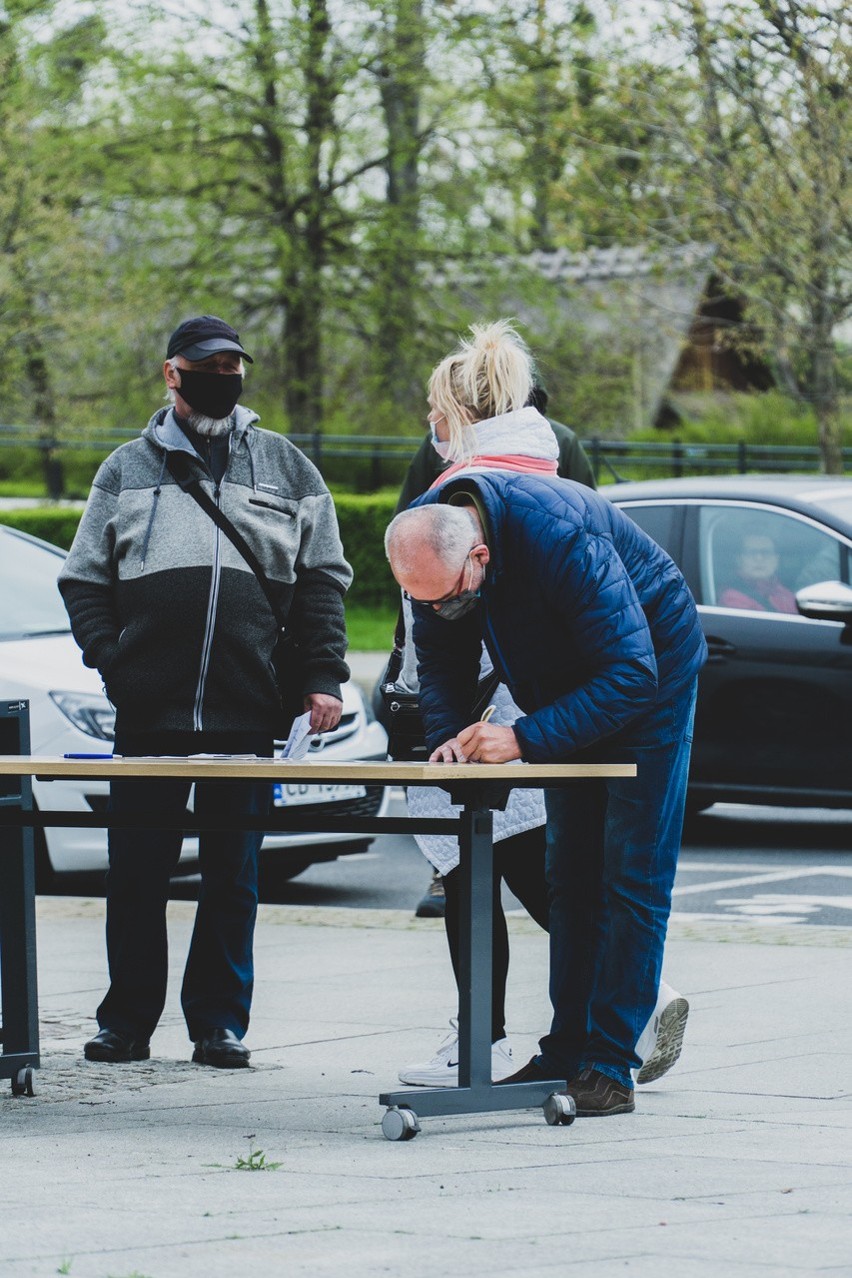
column 222, row 1048
column 115, row 1047
column 596, row 1095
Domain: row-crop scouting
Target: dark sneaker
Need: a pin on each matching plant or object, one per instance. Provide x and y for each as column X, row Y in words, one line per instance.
column 115, row 1047
column 597, row 1095
column 433, row 903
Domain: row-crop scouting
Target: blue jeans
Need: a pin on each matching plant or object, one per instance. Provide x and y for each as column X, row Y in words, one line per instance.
column 612, row 849
column 219, row 975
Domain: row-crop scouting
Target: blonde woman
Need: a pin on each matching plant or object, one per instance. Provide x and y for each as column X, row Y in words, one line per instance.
column 481, row 417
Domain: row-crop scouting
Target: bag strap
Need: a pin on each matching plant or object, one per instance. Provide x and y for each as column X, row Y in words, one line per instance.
column 179, row 469
column 394, row 666
column 486, row 691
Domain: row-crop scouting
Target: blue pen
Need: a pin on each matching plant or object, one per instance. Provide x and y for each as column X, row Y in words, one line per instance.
column 88, row 756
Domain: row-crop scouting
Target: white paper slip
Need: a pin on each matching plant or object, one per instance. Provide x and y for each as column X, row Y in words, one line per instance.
column 296, row 745
column 224, row 756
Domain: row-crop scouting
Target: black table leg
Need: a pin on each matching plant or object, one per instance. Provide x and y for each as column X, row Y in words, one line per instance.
column 18, row 985
column 475, row 1093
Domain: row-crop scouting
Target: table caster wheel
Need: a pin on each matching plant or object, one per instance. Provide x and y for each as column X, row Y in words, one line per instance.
column 400, row 1124
column 22, row 1083
column 559, row 1110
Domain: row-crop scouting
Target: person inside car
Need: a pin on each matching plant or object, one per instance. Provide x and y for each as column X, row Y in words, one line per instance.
column 757, row 586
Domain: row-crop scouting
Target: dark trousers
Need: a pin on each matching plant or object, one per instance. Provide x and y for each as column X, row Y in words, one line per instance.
column 520, row 862
column 219, row 975
column 612, row 849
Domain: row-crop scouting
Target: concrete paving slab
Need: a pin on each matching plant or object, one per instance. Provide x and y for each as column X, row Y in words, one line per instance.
column 737, row 1162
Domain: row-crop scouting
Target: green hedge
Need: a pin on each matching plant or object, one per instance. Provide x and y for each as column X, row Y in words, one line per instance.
column 363, row 520
column 56, row 524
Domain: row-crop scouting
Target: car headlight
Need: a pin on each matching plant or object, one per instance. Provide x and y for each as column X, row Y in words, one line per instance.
column 89, row 713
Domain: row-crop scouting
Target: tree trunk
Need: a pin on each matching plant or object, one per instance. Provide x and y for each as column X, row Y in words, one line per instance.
column 38, row 375
column 824, row 396
column 401, row 77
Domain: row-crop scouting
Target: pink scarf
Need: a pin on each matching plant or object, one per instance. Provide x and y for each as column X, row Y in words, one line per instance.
column 514, row 462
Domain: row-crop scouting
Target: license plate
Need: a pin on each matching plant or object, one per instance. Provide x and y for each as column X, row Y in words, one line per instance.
column 290, row 794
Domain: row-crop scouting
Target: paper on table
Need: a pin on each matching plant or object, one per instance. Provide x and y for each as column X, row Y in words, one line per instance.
column 204, row 755
column 296, row 745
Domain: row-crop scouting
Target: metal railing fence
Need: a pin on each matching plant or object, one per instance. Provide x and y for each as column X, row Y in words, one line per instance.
column 379, row 459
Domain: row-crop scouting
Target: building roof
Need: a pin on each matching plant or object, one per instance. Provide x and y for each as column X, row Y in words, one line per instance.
column 636, row 301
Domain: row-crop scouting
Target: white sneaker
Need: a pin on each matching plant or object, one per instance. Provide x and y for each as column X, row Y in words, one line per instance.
column 661, row 1040
column 443, row 1069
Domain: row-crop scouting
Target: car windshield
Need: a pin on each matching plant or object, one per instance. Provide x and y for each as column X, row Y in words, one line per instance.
column 30, row 602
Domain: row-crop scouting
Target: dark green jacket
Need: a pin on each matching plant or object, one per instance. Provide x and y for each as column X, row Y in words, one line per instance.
column 426, row 465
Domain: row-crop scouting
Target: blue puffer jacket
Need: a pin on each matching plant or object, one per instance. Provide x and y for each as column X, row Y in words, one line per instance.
column 588, row 621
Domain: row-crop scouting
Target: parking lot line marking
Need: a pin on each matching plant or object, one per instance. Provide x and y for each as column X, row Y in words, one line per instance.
column 778, row 876
column 752, row 867
column 790, row 901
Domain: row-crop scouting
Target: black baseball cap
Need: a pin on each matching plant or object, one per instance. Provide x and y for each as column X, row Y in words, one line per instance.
column 204, row 335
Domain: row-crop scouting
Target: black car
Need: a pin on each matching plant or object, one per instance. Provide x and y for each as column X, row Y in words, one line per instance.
column 768, row 561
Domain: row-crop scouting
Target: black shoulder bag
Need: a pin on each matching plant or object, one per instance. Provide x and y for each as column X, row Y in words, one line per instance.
column 287, row 654
column 399, row 712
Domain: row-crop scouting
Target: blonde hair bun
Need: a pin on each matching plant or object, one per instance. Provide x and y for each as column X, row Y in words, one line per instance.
column 489, row 373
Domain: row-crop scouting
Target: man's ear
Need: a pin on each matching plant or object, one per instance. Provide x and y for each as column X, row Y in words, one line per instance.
column 172, row 376
column 481, row 553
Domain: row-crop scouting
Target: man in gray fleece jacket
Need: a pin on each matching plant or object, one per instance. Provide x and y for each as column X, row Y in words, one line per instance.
column 169, row 612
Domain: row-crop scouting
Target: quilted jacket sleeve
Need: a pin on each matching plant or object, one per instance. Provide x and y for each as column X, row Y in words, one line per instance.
column 596, row 605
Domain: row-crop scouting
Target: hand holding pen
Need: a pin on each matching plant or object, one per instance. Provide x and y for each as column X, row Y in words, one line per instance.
column 485, row 742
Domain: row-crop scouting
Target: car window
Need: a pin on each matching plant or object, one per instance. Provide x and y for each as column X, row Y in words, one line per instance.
column 756, row 559
column 659, row 522
column 30, row 602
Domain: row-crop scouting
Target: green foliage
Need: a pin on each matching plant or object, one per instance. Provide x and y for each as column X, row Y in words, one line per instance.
column 362, row 519
column 758, row 418
column 333, row 178
column 371, row 629
column 57, row 526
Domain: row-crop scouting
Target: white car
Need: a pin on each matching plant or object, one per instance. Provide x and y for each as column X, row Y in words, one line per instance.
column 70, row 714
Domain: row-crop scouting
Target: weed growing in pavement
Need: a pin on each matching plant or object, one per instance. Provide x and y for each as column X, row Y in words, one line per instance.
column 256, row 1161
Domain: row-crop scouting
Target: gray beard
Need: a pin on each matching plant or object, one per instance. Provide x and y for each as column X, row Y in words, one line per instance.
column 210, row 426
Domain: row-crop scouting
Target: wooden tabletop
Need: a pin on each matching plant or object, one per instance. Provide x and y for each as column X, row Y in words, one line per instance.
column 355, row 771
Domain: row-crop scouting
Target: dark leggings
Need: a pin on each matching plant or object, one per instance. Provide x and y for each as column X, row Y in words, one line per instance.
column 520, row 861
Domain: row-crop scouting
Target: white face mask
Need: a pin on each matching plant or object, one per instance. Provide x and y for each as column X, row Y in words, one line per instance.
column 441, row 446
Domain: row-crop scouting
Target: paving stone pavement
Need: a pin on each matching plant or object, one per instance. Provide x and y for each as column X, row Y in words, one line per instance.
column 737, row 1162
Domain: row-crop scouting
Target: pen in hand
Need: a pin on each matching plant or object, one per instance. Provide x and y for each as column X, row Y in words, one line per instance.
column 486, row 714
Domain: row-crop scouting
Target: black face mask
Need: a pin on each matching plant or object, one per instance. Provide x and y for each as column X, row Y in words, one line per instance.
column 211, row 394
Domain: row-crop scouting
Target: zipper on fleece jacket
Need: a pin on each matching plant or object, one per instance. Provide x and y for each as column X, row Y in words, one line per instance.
column 207, row 643
column 212, row 603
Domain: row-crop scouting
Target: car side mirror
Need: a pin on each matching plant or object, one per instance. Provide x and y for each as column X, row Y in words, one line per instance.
column 826, row 601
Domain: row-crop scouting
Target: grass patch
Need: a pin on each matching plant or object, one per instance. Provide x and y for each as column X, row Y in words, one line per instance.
column 22, row 488
column 370, row 629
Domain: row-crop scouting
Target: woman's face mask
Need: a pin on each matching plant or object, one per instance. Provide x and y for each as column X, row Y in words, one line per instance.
column 441, row 446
